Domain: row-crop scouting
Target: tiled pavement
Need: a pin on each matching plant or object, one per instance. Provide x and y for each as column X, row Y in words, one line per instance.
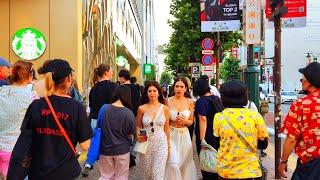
column 268, row 162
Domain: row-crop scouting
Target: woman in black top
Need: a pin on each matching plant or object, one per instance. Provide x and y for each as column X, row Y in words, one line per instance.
column 206, row 107
column 52, row 157
column 102, row 91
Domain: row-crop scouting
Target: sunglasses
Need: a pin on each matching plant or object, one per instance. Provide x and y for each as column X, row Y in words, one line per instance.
column 152, row 129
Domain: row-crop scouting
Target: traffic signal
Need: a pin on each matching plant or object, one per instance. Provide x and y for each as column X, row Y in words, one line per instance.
column 277, row 9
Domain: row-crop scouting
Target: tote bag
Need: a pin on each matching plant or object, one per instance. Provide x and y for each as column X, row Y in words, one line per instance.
column 208, row 158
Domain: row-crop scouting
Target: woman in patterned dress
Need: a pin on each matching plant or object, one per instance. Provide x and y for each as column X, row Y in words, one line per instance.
column 14, row 101
column 153, row 117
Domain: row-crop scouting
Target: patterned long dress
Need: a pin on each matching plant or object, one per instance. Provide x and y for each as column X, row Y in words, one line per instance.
column 153, row 163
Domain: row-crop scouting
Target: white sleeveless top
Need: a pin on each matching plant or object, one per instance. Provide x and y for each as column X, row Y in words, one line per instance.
column 174, row 113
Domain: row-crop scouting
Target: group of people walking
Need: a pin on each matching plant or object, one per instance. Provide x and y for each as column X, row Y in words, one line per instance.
column 38, row 135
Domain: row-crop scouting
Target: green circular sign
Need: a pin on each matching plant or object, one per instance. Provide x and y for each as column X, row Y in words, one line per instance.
column 29, row 43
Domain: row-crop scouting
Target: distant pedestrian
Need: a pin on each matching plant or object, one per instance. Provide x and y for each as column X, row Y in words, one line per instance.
column 153, row 120
column 239, row 131
column 302, row 127
column 180, row 164
column 5, row 71
column 52, row 156
column 206, row 108
column 117, row 127
column 14, row 101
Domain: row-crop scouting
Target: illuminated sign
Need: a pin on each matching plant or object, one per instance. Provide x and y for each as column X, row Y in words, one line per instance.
column 29, row 43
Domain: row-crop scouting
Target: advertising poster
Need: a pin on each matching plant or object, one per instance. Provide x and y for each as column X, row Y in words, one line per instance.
column 219, row 15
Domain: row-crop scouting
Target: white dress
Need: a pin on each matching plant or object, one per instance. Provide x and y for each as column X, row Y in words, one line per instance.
column 180, row 165
column 153, row 163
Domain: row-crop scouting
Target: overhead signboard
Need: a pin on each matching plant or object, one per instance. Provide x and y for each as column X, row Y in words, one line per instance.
column 29, row 43
column 219, row 15
column 296, row 16
column 252, row 22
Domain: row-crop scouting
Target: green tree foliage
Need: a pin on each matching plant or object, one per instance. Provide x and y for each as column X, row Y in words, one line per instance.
column 186, row 37
column 166, row 78
column 230, row 69
column 152, row 75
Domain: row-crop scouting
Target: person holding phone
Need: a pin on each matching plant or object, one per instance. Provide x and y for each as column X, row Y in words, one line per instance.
column 153, row 126
column 180, row 164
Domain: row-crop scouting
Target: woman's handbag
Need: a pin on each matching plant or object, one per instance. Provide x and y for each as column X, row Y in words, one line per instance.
column 263, row 169
column 95, row 144
column 141, row 147
column 208, row 158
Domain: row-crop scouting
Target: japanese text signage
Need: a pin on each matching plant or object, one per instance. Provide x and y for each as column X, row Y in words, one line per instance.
column 29, row 43
column 252, row 21
column 219, row 15
column 296, row 16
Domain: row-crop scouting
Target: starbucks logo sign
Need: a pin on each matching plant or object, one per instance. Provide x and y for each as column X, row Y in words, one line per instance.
column 29, row 43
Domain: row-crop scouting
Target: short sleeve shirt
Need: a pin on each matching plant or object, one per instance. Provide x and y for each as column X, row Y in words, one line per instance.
column 303, row 124
column 52, row 157
column 235, row 159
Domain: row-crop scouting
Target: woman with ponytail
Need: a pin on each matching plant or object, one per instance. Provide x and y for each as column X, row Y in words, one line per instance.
column 100, row 94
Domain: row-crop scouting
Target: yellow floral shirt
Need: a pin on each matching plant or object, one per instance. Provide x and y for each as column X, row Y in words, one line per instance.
column 235, row 160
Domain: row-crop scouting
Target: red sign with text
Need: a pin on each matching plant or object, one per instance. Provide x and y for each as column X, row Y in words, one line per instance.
column 296, row 8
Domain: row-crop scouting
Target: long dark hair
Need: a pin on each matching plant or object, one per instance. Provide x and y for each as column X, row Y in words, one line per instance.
column 122, row 93
column 145, row 99
column 185, row 82
column 99, row 71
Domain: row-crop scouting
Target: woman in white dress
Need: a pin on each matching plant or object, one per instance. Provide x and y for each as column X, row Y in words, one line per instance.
column 153, row 117
column 180, row 165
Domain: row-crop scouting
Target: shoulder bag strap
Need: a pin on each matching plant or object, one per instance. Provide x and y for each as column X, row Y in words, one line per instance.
column 241, row 137
column 60, row 126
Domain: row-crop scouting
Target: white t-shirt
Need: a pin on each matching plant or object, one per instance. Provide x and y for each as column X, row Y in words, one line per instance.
column 214, row 91
column 252, row 106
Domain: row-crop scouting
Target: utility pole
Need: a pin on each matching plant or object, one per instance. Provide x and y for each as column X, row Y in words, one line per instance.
column 278, row 10
column 218, row 60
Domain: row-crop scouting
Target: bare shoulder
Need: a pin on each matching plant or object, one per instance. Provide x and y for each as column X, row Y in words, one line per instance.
column 142, row 108
column 165, row 108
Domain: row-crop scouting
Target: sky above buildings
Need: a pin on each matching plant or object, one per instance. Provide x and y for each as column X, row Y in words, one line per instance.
column 163, row 30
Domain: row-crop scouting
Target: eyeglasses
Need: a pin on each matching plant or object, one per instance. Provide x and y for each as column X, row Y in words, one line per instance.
column 152, row 129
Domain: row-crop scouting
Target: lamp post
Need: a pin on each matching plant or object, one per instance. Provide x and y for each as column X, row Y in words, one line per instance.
column 268, row 78
column 310, row 55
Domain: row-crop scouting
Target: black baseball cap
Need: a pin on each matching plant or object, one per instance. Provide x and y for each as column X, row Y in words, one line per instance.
column 312, row 73
column 58, row 67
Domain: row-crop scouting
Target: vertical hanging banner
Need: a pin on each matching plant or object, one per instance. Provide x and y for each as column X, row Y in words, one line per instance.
column 296, row 16
column 219, row 15
column 252, row 22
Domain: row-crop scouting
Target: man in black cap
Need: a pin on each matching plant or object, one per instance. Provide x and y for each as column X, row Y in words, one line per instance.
column 302, row 127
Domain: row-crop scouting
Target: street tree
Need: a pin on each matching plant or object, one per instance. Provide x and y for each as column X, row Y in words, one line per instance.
column 186, row 38
column 166, row 78
column 230, row 69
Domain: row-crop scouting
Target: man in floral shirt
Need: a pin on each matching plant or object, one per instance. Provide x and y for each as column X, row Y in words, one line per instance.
column 302, row 124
